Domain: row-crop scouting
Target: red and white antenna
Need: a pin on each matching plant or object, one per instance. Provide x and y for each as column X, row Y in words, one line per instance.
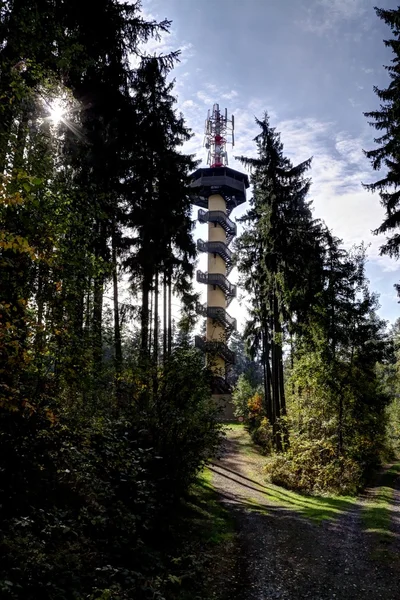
column 218, row 128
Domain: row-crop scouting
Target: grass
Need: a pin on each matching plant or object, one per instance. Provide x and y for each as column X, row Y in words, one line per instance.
column 212, row 545
column 315, row 508
column 376, row 515
column 214, row 520
column 239, row 435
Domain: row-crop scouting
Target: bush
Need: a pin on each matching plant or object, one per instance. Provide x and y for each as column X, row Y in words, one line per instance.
column 314, row 468
column 263, row 436
column 88, row 504
column 241, row 395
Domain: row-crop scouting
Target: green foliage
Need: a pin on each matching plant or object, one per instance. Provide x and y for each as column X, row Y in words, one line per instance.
column 88, row 504
column 279, row 261
column 313, row 466
column 241, row 395
column 249, row 404
column 393, row 427
column 388, row 372
column 211, row 525
column 385, row 156
column 263, row 435
column 98, row 443
column 376, row 514
column 251, row 368
column 336, row 408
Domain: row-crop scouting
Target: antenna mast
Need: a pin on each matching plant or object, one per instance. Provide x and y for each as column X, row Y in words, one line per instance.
column 218, row 129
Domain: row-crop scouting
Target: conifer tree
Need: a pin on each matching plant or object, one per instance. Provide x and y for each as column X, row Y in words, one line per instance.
column 336, row 404
column 85, row 54
column 278, row 257
column 386, row 120
column 159, row 205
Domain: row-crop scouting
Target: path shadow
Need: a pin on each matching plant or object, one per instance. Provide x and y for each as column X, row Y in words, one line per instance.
column 317, row 508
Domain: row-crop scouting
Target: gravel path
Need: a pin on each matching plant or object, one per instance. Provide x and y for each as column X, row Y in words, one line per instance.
column 285, row 554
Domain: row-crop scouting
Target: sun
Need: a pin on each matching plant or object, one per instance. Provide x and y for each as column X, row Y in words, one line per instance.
column 56, row 111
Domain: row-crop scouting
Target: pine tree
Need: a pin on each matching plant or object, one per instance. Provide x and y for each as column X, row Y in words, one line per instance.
column 85, row 54
column 336, row 405
column 386, row 156
column 250, row 368
column 279, row 258
column 159, row 205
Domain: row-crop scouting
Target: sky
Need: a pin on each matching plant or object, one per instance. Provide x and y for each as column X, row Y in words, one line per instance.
column 312, row 65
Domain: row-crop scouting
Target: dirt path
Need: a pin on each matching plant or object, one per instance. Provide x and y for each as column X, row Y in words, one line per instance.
column 295, row 547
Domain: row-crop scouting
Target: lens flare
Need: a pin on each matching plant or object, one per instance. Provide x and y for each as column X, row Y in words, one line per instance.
column 56, row 111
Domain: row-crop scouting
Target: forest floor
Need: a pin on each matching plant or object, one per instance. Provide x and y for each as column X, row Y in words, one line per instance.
column 295, row 547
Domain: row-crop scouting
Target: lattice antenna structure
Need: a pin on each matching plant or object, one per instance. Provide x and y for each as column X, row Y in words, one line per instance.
column 219, row 131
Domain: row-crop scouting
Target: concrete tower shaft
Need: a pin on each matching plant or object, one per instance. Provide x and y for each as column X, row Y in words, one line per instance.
column 218, row 189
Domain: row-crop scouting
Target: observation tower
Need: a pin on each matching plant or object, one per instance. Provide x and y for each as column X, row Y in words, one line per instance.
column 218, row 190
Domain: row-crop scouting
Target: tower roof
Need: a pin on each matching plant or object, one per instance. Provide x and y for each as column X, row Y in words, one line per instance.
column 231, row 184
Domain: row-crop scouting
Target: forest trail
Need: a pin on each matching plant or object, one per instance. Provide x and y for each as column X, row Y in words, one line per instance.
column 294, row 547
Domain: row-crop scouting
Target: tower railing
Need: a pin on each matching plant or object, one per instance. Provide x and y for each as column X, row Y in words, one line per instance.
column 218, row 314
column 218, row 216
column 219, row 248
column 219, row 280
column 215, row 348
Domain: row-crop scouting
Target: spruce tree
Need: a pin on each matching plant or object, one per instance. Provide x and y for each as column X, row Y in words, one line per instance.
column 386, row 120
column 336, row 402
column 159, row 205
column 87, row 56
column 278, row 258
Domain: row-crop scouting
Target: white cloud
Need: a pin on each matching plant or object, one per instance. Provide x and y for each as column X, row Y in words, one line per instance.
column 230, row 95
column 212, row 87
column 354, row 103
column 387, row 265
column 350, row 149
column 325, row 15
column 205, row 98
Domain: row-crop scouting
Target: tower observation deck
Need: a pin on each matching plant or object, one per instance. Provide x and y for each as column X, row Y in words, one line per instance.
column 218, row 190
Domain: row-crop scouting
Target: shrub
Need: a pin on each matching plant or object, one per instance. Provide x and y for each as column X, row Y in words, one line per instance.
column 88, row 503
column 263, row 436
column 314, row 467
column 241, row 395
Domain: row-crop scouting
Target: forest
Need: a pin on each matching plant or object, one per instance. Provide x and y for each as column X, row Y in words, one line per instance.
column 107, row 420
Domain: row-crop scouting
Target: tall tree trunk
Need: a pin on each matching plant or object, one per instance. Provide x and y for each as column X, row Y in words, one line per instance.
column 88, row 309
column 5, row 132
column 340, row 425
column 165, row 336
column 275, row 371
column 151, row 330
column 145, row 313
column 267, row 374
column 156, row 340
column 40, row 310
column 117, row 329
column 283, row 433
column 39, row 337
column 292, row 361
column 20, row 143
column 98, row 292
column 279, row 357
column 169, row 313
column 97, row 321
column 156, row 318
